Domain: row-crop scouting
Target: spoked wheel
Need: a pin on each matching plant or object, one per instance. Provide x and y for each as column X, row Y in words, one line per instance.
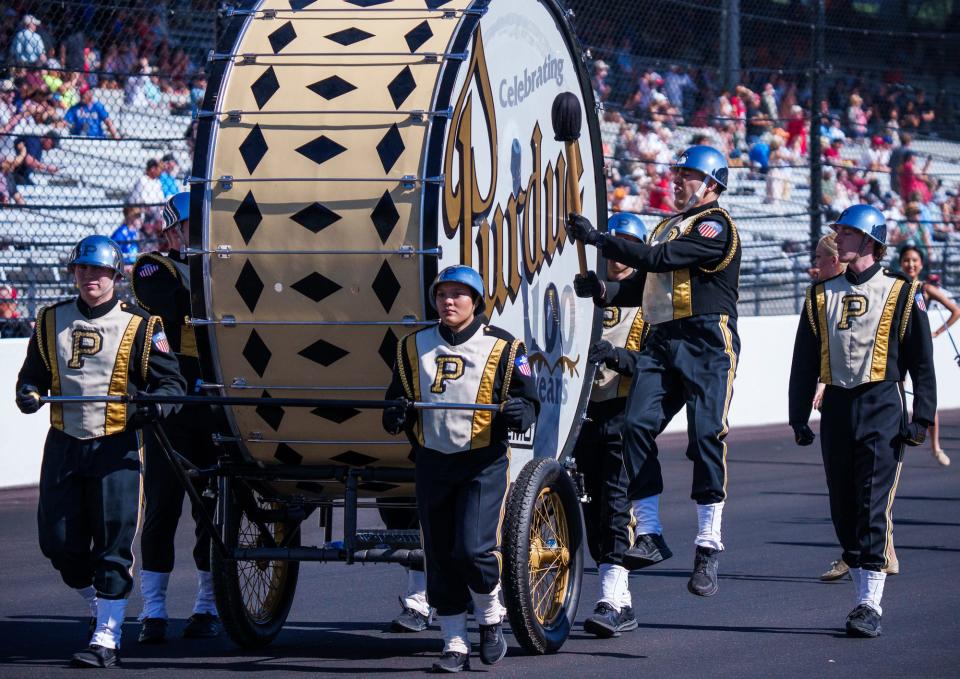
column 253, row 597
column 543, row 551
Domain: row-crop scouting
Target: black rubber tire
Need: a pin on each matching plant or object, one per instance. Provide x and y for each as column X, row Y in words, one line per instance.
column 549, row 635
column 244, row 628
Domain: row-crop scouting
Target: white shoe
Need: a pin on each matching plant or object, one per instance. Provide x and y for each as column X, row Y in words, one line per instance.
column 941, row 457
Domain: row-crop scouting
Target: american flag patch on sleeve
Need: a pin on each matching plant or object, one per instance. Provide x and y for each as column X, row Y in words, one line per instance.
column 160, row 342
column 920, row 303
column 148, row 270
column 523, row 365
column 709, row 229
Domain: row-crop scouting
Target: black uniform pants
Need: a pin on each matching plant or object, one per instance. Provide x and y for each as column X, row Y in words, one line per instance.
column 396, row 516
column 862, row 454
column 460, row 499
column 189, row 431
column 89, row 509
column 690, row 361
column 599, row 455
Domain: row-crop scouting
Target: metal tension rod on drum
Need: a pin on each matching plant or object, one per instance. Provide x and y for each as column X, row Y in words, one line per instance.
column 407, row 181
column 280, row 402
column 224, row 251
column 416, row 115
column 250, row 58
column 231, row 322
column 360, row 11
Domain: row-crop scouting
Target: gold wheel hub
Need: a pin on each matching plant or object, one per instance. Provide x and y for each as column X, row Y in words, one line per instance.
column 549, row 572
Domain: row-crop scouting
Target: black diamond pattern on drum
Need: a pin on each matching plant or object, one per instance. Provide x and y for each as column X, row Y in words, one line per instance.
column 287, row 455
column 386, row 287
column 390, row 148
column 376, row 486
column 336, row 415
column 332, row 87
column 265, row 87
column 385, row 216
column 253, row 149
column 367, row 3
column 272, row 415
column 257, row 353
column 401, row 86
column 433, row 4
column 354, row 459
column 315, row 286
column 324, row 353
column 419, row 35
column 248, row 217
column 300, row 4
column 316, row 217
column 282, row 37
column 388, row 348
column 349, row 36
column 249, row 286
column 321, row 149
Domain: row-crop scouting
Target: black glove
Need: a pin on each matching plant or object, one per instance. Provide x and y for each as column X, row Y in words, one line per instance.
column 513, row 412
column 396, row 418
column 603, row 352
column 146, row 413
column 803, row 434
column 588, row 285
column 914, row 434
column 28, row 399
column 580, row 228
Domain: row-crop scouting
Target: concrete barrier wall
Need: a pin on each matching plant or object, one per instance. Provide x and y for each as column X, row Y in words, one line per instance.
column 760, row 392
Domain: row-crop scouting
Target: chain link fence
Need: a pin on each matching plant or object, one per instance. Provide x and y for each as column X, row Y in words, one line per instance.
column 96, row 127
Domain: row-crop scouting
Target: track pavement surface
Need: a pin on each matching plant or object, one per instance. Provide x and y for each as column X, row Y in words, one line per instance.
column 772, row 616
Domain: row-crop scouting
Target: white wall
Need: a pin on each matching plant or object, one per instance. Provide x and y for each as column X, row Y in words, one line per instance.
column 759, row 394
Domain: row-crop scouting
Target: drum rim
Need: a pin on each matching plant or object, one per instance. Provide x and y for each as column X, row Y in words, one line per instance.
column 200, row 193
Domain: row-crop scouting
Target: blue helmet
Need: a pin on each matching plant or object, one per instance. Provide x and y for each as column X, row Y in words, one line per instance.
column 866, row 219
column 627, row 223
column 459, row 274
column 707, row 160
column 176, row 210
column 97, row 251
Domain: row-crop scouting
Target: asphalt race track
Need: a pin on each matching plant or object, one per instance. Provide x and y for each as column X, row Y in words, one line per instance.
column 772, row 616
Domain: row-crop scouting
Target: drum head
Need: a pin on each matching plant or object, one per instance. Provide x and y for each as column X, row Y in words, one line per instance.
column 346, row 152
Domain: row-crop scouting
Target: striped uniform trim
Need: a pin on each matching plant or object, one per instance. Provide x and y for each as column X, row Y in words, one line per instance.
column 148, row 344
column 881, row 342
column 808, row 306
column 410, row 344
column 682, row 294
column 116, row 413
column 481, row 429
column 141, row 504
column 826, row 374
column 50, row 328
column 634, row 343
column 508, row 375
column 497, row 553
column 915, row 287
column 731, row 374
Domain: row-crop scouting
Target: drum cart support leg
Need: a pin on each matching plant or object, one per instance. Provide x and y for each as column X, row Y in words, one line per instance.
column 350, row 515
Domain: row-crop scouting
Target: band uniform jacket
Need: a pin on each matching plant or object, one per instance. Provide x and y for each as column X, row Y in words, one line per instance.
column 861, row 329
column 691, row 262
column 481, row 364
column 625, row 329
column 112, row 349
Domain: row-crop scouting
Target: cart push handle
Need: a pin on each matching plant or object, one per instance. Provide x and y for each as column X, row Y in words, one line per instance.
column 255, row 401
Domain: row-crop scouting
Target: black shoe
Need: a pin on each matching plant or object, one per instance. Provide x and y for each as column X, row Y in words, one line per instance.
column 492, row 644
column 95, row 655
column 153, row 631
column 607, row 622
column 451, row 661
column 863, row 621
column 202, row 626
column 703, row 580
column 648, row 549
column 409, row 621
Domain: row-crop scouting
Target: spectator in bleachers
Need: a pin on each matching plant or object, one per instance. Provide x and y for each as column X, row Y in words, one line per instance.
column 197, row 91
column 600, row 72
column 32, row 151
column 168, row 176
column 876, row 158
column 148, row 194
column 676, row 84
column 9, row 116
column 9, row 192
column 127, row 235
column 857, row 117
column 911, row 180
column 11, row 324
column 89, row 117
column 27, row 47
column 912, row 231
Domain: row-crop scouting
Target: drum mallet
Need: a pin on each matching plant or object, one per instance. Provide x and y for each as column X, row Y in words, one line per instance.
column 567, row 121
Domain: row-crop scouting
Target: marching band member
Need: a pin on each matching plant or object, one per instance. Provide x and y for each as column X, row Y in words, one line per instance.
column 90, row 483
column 860, row 334
column 462, row 456
column 687, row 287
column 161, row 285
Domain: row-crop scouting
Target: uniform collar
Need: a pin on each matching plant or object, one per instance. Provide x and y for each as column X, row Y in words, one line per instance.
column 859, row 279
column 454, row 338
column 98, row 311
column 700, row 208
